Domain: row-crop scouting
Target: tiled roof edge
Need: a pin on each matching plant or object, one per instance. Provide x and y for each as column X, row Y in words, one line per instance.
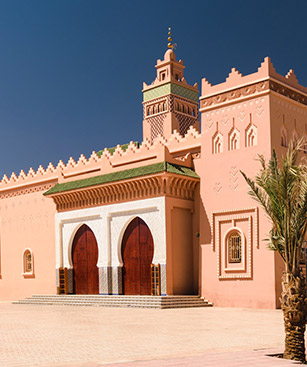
column 122, row 175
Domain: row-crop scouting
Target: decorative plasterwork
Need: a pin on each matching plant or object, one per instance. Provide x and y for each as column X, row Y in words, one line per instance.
column 164, row 184
column 234, row 94
column 250, row 239
column 249, row 90
column 170, row 101
column 25, row 190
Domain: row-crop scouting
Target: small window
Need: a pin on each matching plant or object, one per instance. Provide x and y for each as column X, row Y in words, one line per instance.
column 234, row 248
column 176, row 76
column 27, row 263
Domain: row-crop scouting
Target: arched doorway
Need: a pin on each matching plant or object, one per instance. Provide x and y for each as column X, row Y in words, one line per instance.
column 84, row 258
column 137, row 255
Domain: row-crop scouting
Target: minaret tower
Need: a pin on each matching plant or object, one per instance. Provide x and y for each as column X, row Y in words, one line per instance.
column 169, row 103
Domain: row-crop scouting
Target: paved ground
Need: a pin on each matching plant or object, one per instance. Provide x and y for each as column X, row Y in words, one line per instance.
column 69, row 336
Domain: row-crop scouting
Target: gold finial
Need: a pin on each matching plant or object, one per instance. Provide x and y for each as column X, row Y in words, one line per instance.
column 169, row 45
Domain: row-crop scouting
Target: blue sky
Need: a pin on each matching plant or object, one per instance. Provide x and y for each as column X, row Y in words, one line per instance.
column 71, row 71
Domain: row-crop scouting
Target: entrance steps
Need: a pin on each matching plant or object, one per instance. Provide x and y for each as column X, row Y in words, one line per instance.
column 116, row 301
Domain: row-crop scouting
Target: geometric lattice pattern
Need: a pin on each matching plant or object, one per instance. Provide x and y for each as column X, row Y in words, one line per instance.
column 70, row 280
column 156, row 125
column 117, row 280
column 163, row 278
column 184, row 123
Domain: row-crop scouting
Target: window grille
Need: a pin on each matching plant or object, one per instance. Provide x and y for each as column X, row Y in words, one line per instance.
column 234, row 248
column 28, row 267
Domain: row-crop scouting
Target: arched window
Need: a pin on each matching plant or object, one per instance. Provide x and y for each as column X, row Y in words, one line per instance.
column 27, row 262
column 234, row 139
column 251, row 135
column 283, row 137
column 217, row 143
column 234, row 245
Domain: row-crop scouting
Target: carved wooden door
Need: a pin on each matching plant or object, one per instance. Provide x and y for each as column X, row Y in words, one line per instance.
column 84, row 257
column 137, row 254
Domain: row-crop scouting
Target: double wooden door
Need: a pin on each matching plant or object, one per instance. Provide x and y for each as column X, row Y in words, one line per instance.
column 137, row 255
column 84, row 258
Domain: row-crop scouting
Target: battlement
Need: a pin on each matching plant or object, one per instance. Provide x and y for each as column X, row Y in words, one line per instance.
column 174, row 150
column 236, row 80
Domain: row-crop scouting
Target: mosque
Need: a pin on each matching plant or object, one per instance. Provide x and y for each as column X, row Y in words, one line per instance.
column 168, row 216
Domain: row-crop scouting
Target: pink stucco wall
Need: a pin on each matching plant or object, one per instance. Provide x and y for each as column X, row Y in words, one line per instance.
column 27, row 222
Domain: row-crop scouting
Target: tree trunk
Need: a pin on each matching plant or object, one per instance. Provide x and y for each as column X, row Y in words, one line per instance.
column 294, row 306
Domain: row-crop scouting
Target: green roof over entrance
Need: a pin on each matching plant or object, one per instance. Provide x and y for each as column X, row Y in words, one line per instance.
column 123, row 175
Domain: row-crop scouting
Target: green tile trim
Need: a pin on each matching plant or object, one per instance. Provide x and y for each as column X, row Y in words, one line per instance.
column 184, row 92
column 123, row 175
column 168, row 88
column 123, row 146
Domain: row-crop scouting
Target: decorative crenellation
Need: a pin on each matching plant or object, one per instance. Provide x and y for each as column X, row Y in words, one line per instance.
column 105, row 161
column 135, row 189
column 252, row 90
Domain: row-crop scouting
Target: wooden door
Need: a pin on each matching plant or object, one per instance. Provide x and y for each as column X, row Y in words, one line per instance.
column 137, row 255
column 84, row 258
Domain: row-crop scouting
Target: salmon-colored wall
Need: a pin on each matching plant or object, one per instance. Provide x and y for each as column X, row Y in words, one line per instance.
column 224, row 192
column 181, row 278
column 27, row 222
column 291, row 117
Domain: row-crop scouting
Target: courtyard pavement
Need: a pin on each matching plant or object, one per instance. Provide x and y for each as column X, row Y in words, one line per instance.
column 70, row 336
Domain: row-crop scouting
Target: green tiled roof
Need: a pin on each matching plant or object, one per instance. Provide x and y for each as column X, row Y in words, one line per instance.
column 123, row 175
column 124, row 148
column 168, row 88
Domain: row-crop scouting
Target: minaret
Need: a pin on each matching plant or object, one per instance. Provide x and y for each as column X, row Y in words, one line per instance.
column 169, row 103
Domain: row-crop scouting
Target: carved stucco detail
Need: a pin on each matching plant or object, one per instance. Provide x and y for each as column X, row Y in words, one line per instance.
column 254, row 89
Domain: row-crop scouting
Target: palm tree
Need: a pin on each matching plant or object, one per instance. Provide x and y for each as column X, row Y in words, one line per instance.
column 282, row 192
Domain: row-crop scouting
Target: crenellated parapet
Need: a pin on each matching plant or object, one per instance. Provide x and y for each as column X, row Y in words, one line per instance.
column 239, row 88
column 174, row 150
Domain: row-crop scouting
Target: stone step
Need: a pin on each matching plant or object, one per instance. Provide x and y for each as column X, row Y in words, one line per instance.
column 117, row 301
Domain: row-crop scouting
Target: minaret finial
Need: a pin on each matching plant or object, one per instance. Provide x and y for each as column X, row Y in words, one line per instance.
column 169, row 45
